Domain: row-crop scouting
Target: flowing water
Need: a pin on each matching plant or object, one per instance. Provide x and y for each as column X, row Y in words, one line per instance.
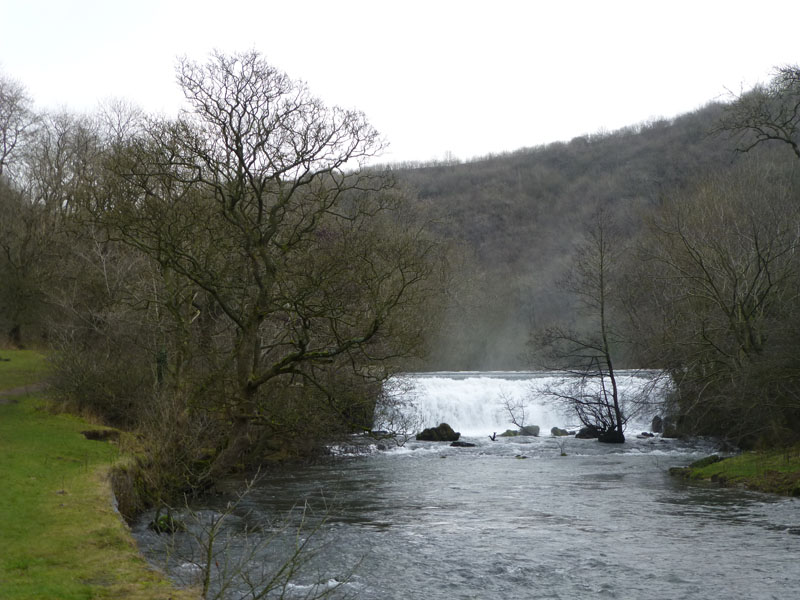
column 513, row 518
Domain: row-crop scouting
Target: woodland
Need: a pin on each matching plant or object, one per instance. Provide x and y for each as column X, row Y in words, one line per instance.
column 236, row 284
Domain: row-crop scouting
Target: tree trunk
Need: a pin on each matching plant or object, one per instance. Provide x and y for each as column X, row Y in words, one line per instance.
column 15, row 336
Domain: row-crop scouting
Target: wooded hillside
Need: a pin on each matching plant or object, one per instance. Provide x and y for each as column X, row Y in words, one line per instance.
column 515, row 218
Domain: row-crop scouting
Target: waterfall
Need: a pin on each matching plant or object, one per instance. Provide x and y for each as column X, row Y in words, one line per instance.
column 475, row 403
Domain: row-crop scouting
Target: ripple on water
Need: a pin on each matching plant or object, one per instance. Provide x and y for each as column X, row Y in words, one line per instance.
column 482, row 524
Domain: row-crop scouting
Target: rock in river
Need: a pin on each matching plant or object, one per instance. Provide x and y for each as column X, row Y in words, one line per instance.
column 442, row 433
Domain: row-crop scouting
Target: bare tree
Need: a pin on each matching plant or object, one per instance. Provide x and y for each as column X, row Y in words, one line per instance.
column 587, row 355
column 723, row 285
column 397, row 415
column 306, row 261
column 31, row 218
column 766, row 113
column 517, row 411
column 16, row 119
column 515, row 408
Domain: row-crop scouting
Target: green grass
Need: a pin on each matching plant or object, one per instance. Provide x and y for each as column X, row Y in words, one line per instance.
column 774, row 471
column 59, row 534
column 21, row 367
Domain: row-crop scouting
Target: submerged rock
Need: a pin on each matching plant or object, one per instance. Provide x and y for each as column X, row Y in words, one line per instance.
column 442, row 433
column 510, row 433
column 463, row 444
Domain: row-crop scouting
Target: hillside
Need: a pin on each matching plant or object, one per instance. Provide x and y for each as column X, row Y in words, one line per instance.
column 514, row 218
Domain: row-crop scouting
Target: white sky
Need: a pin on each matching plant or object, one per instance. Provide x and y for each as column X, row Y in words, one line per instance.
column 436, row 78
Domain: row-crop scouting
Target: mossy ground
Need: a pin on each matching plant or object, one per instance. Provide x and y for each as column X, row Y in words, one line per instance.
column 59, row 533
column 773, row 471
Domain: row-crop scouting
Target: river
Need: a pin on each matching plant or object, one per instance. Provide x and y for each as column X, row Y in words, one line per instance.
column 520, row 517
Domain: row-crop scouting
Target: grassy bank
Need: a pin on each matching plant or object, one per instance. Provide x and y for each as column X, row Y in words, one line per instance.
column 19, row 368
column 59, row 534
column 775, row 471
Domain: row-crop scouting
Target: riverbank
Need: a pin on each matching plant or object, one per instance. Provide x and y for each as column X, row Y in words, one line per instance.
column 774, row 471
column 60, row 534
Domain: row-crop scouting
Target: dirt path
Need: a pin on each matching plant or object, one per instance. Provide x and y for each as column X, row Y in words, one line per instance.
column 11, row 395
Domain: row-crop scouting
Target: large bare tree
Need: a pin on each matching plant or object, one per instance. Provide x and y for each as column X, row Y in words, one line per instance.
column 304, row 265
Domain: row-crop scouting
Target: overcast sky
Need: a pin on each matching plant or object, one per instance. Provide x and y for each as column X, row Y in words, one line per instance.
column 437, row 78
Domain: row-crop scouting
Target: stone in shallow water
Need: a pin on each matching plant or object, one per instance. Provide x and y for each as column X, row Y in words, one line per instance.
column 442, row 433
column 588, row 433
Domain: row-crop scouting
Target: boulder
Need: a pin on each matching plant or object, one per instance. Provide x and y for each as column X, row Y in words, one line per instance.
column 558, row 432
column 671, row 427
column 442, row 433
column 657, row 426
column 510, row 433
column 590, row 432
column 532, row 430
column 463, row 444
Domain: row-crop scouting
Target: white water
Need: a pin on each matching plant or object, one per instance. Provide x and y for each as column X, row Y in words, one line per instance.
column 475, row 403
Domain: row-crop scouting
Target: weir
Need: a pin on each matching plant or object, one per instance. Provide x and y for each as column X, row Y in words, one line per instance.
column 475, row 403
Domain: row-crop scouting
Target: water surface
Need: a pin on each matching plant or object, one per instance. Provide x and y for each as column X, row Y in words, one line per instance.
column 511, row 518
column 431, row 521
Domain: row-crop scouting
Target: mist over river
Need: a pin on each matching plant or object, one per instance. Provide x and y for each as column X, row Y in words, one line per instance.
column 511, row 518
